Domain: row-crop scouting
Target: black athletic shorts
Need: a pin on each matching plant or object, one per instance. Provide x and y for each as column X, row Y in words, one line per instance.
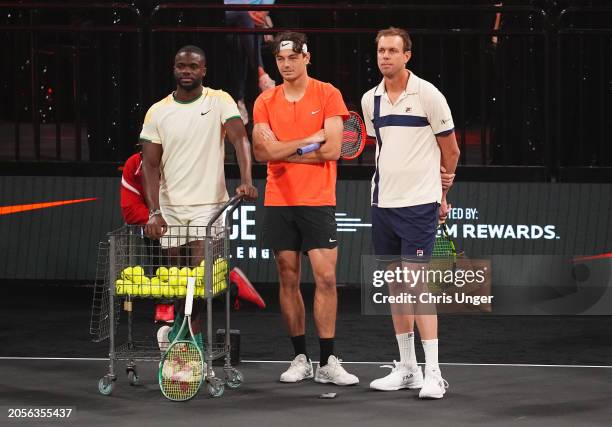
column 300, row 228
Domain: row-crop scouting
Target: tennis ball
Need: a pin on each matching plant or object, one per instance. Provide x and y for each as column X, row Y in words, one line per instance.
column 128, row 288
column 182, row 281
column 221, row 265
column 141, row 280
column 137, row 271
column 184, row 272
column 145, row 289
column 199, row 275
column 219, row 285
column 199, row 291
column 126, row 273
column 162, row 273
column 203, row 263
column 119, row 287
column 216, row 285
column 173, row 272
column 156, row 287
column 173, row 281
column 166, row 290
column 218, row 276
column 180, row 291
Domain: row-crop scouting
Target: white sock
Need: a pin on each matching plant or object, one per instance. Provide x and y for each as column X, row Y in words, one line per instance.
column 405, row 343
column 430, row 347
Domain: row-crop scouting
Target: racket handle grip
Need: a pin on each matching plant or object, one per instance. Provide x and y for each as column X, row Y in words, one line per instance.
column 189, row 298
column 308, row 148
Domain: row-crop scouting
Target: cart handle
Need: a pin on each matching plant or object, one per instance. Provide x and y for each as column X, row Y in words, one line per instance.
column 230, row 205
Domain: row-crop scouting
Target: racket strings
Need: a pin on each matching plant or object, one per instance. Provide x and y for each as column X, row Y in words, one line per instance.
column 443, row 247
column 442, row 261
column 182, row 371
column 352, row 137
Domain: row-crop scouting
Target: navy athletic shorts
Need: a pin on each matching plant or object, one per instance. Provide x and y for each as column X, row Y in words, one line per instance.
column 408, row 233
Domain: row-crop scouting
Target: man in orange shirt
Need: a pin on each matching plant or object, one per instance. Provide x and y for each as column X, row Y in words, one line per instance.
column 300, row 199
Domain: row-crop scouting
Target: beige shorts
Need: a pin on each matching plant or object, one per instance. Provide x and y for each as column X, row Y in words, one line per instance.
column 188, row 223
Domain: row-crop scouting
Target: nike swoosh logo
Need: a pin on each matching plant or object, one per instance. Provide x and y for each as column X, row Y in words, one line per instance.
column 315, row 112
column 203, row 114
column 6, row 210
column 332, row 241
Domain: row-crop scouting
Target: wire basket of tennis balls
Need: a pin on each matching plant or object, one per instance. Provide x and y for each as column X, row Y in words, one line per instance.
column 170, row 282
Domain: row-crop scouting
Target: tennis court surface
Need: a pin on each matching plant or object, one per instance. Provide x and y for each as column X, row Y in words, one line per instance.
column 502, row 370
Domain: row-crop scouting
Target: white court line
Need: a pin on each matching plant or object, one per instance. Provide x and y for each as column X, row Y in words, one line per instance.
column 513, row 365
column 517, row 365
column 57, row 358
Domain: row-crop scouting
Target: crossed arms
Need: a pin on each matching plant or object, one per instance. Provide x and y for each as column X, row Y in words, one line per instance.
column 267, row 147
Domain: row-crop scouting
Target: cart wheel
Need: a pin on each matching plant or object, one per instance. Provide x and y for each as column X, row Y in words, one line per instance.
column 105, row 386
column 234, row 378
column 216, row 389
column 133, row 377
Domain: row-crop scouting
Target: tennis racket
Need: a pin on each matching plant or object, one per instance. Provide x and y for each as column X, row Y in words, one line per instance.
column 444, row 246
column 181, row 370
column 353, row 138
column 444, row 258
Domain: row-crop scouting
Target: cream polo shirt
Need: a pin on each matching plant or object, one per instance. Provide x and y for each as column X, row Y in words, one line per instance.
column 407, row 153
column 192, row 138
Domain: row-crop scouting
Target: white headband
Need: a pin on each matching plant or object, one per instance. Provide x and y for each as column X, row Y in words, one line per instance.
column 288, row 44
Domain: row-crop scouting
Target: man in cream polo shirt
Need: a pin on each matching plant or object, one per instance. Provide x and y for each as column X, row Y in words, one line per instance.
column 183, row 158
column 414, row 130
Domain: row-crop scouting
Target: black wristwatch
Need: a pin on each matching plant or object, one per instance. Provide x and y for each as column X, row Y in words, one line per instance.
column 153, row 212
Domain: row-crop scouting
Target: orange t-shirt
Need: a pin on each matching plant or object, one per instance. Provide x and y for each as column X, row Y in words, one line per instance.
column 297, row 184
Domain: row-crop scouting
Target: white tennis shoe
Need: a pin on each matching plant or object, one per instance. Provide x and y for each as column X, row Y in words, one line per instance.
column 300, row 369
column 434, row 385
column 401, row 376
column 334, row 373
column 162, row 337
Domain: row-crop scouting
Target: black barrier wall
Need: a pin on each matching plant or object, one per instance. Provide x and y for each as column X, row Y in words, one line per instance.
column 527, row 81
column 50, row 226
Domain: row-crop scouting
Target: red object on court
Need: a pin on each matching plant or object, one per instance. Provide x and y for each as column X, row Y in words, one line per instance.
column 164, row 313
column 246, row 291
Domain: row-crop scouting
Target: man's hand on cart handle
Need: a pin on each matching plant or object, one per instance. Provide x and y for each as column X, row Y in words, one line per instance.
column 248, row 190
column 156, row 227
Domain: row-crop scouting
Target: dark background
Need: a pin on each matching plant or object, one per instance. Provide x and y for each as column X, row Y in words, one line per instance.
column 536, row 92
column 532, row 118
